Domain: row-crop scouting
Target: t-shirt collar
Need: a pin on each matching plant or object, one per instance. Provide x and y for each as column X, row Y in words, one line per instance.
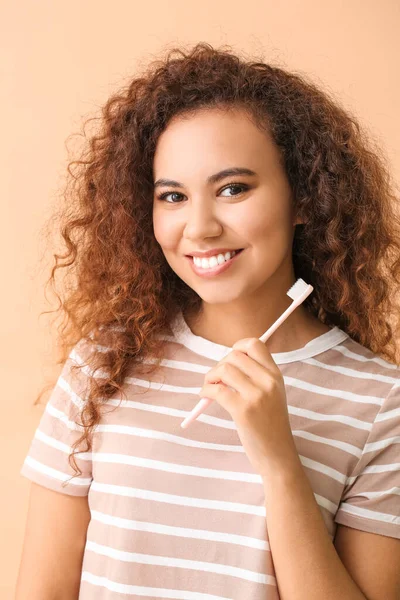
column 183, row 335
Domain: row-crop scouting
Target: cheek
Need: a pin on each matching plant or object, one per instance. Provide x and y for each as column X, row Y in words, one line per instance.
column 269, row 235
column 164, row 232
column 266, row 220
column 255, row 226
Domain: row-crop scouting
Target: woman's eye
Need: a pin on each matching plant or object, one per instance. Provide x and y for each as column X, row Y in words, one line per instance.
column 236, row 185
column 163, row 196
column 233, row 185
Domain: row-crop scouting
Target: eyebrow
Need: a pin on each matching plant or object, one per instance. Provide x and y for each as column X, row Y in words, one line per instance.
column 212, row 179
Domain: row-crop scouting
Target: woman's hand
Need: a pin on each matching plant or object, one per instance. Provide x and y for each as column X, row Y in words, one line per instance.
column 249, row 385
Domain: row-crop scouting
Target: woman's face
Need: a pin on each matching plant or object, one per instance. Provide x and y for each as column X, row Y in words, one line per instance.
column 198, row 214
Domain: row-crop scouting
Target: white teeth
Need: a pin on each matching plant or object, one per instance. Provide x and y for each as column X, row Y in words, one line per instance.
column 209, row 263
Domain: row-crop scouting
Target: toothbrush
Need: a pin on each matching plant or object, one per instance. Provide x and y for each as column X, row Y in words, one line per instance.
column 298, row 292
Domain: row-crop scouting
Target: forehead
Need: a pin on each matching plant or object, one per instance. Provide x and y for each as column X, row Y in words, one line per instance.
column 211, row 140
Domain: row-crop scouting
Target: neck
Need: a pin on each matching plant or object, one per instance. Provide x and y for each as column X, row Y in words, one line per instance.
column 227, row 327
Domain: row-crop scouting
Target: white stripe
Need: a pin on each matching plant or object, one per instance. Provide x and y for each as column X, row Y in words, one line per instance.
column 86, row 369
column 325, row 503
column 174, row 412
column 381, row 444
column 380, row 361
column 350, row 372
column 237, row 507
column 50, row 441
column 321, row 468
column 193, row 443
column 54, row 443
column 138, row 590
column 64, row 385
column 195, row 367
column 369, row 514
column 165, row 410
column 62, row 417
column 169, row 437
column 350, row 481
column 131, row 492
column 165, row 387
column 389, row 414
column 382, row 468
column 184, row 532
column 148, row 463
column 329, row 442
column 382, row 494
column 182, row 365
column 342, row 394
column 54, row 473
column 290, row 381
column 179, row 563
column 310, row 414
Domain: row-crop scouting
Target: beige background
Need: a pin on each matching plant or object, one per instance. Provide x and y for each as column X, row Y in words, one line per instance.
column 60, row 62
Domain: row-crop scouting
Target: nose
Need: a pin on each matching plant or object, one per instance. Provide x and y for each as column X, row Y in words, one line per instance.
column 201, row 220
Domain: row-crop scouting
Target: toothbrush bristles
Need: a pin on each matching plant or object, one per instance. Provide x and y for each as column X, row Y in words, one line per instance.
column 298, row 288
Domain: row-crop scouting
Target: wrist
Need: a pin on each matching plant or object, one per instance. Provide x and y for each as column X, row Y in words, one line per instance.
column 285, row 468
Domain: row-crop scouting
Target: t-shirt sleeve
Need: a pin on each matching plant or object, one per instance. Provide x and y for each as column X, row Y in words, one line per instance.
column 371, row 499
column 47, row 460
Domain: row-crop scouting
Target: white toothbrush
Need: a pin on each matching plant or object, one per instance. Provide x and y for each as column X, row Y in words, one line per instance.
column 298, row 292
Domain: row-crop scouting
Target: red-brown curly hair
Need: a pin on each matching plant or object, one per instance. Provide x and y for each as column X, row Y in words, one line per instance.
column 124, row 293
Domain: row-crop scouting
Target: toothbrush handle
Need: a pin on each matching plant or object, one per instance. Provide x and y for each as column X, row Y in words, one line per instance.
column 200, row 406
column 265, row 336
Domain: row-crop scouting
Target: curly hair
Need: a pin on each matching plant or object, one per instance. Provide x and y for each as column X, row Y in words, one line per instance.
column 124, row 293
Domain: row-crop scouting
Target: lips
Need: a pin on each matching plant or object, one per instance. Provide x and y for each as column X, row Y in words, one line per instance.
column 216, row 270
column 208, row 255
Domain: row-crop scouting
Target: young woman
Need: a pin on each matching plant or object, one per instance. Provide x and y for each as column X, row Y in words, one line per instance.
column 287, row 486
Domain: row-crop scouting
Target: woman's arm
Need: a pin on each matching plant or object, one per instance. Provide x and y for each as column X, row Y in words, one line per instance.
column 52, row 553
column 307, row 565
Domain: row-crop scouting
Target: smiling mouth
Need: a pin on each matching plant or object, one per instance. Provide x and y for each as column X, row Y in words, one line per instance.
column 215, row 269
column 233, row 253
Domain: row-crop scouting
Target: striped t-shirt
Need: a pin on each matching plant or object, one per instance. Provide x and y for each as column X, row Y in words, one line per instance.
column 180, row 513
